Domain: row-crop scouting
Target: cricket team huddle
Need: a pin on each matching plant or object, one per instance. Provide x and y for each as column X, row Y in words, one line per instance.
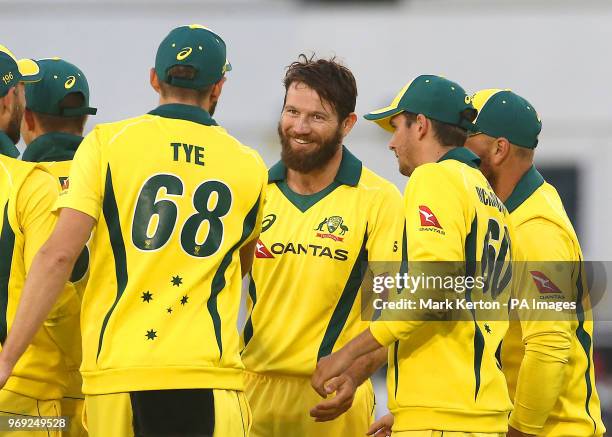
column 123, row 254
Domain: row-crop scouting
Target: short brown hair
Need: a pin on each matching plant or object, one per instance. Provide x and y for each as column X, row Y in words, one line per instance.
column 56, row 123
column 332, row 81
column 448, row 135
column 182, row 72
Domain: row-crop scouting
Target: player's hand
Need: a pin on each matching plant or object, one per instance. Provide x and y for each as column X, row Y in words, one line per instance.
column 512, row 432
column 329, row 409
column 382, row 427
column 5, row 372
column 330, row 367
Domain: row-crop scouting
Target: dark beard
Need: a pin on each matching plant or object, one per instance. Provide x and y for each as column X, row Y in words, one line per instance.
column 307, row 162
column 12, row 130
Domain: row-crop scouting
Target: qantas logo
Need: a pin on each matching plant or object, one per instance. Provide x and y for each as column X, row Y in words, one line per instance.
column 428, row 218
column 261, row 251
column 544, row 284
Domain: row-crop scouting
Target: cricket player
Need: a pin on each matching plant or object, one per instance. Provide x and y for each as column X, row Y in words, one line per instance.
column 27, row 194
column 548, row 364
column 176, row 203
column 443, row 375
column 326, row 216
column 56, row 109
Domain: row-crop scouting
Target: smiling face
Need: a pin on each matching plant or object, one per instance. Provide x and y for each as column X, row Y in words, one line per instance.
column 309, row 129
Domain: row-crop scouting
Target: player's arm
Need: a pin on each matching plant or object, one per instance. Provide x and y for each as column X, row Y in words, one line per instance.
column 385, row 229
column 429, row 189
column 547, row 342
column 426, row 187
column 340, row 361
column 247, row 254
column 53, row 263
column 48, row 274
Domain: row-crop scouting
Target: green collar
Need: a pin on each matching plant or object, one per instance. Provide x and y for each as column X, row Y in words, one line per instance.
column 462, row 154
column 54, row 146
column 7, row 147
column 349, row 172
column 184, row 112
column 531, row 181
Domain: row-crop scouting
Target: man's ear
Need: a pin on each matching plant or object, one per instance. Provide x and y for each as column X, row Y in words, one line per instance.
column 6, row 102
column 154, row 80
column 423, row 126
column 501, row 151
column 348, row 123
column 29, row 121
column 216, row 89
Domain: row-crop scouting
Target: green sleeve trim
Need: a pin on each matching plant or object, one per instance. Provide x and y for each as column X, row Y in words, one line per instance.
column 248, row 327
column 470, row 270
column 586, row 343
column 7, row 247
column 396, row 366
column 111, row 216
column 219, row 282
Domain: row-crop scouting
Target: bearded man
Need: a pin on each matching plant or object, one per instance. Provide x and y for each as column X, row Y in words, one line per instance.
column 325, row 217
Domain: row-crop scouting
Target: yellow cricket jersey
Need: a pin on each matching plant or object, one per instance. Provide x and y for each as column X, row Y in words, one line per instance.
column 56, row 150
column 304, row 292
column 444, row 375
column 27, row 194
column 553, row 383
column 175, row 197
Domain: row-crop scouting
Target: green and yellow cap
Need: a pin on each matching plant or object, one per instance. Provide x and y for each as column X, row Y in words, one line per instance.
column 13, row 71
column 59, row 78
column 502, row 113
column 198, row 47
column 433, row 96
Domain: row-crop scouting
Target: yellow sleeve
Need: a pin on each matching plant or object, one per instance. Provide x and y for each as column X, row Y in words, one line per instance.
column 85, row 185
column 431, row 187
column 34, row 207
column 547, row 342
column 385, row 228
column 34, row 211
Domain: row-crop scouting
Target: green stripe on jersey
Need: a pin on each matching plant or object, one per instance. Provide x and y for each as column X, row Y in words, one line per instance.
column 111, row 215
column 346, row 301
column 218, row 282
column 7, row 246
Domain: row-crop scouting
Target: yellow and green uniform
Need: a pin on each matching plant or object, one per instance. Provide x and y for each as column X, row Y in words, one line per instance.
column 175, row 197
column 304, row 292
column 444, row 375
column 549, row 364
column 27, row 195
column 56, row 150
